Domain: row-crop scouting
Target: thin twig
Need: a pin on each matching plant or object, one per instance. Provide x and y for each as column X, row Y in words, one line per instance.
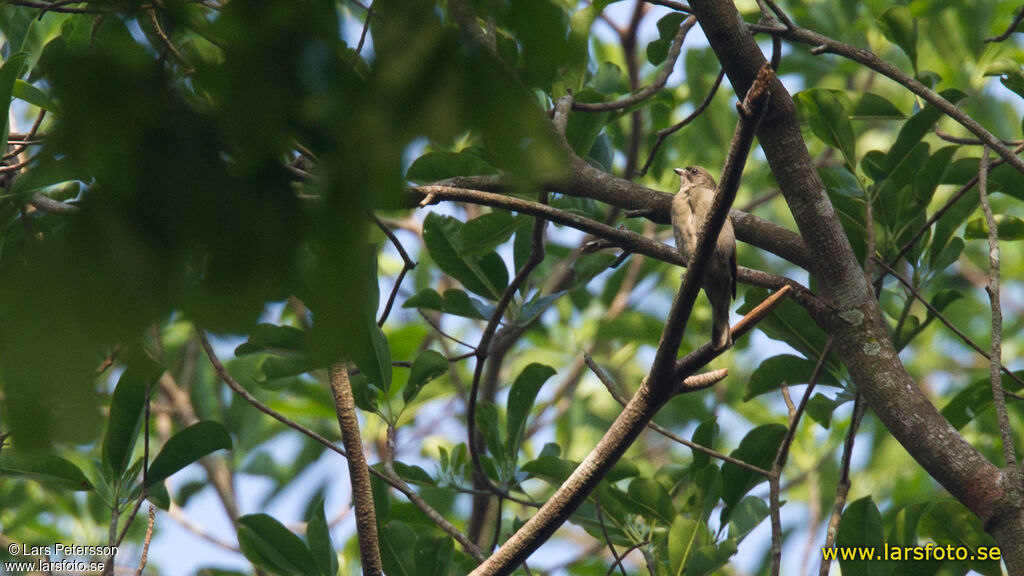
column 607, row 538
column 942, row 210
column 661, row 383
column 654, row 86
column 20, row 145
column 438, row 329
column 690, row 363
column 666, row 132
column 362, row 38
column 407, row 264
column 677, row 6
column 56, row 7
column 613, row 390
column 159, row 30
column 146, row 541
column 625, row 238
column 824, row 44
column 843, row 487
column 1009, row 29
column 394, row 482
column 969, row 141
column 783, row 454
column 483, row 348
column 966, row 339
column 237, row 388
column 996, row 354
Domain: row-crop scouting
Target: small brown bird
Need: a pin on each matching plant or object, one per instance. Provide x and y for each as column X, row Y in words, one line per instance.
column 690, row 209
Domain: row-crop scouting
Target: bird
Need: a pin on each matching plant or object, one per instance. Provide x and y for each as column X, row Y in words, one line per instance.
column 690, row 209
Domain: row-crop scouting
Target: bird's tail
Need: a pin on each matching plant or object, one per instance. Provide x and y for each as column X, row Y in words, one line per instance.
column 720, row 334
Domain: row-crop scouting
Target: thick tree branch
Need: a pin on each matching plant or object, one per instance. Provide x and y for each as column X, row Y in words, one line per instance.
column 624, row 238
column 861, row 335
column 590, row 182
column 359, row 476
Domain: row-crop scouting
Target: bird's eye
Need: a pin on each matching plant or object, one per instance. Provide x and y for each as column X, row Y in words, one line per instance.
column 692, row 171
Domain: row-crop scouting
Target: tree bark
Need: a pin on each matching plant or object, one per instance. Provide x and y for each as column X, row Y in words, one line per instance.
column 855, row 321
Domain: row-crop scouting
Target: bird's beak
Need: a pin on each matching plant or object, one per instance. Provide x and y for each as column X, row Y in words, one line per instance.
column 678, row 171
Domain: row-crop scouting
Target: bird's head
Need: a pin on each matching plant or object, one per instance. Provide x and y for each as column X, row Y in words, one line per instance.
column 695, row 176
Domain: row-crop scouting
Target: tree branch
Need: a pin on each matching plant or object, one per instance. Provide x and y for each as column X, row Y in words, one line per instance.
column 359, row 476
column 649, row 90
column 654, row 392
column 861, row 335
column 995, row 356
column 824, row 44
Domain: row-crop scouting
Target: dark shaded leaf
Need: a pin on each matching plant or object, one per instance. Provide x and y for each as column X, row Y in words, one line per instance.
column 272, row 547
column 187, row 446
column 758, row 447
column 49, row 469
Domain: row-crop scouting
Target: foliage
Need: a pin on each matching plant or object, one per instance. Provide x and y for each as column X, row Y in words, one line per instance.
column 247, row 169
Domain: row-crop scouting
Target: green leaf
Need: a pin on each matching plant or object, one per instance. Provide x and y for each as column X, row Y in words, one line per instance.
column 668, row 27
column 899, row 27
column 273, row 338
column 187, row 446
column 398, row 549
column 549, row 468
column 158, row 495
column 487, row 422
column 651, row 500
column 454, row 301
column 319, row 536
column 915, row 129
column 1007, row 227
column 48, row 469
column 949, row 523
column 16, row 24
column 583, row 128
column 871, row 106
column 270, row 546
column 10, row 71
column 683, row 539
column 535, row 307
column 276, row 368
column 705, row 435
column 377, row 363
column 427, row 366
column 542, row 27
column 34, row 96
column 708, row 491
column 485, row 233
column 944, row 298
column 821, row 407
column 434, row 555
column 413, row 474
column 861, row 527
column 127, row 410
column 486, row 276
column 786, row 369
column 789, row 323
column 758, row 447
column 829, row 121
column 436, row 166
column 709, row 558
column 520, row 402
column 746, row 516
column 942, row 259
